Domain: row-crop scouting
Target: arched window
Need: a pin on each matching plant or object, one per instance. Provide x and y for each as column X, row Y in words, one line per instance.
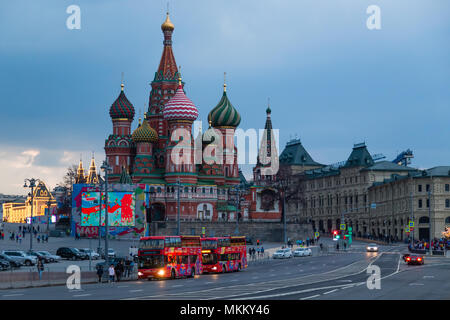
column 447, row 220
column 424, row 220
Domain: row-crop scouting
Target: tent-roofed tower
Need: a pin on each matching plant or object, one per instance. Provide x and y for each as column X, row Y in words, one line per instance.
column 163, row 87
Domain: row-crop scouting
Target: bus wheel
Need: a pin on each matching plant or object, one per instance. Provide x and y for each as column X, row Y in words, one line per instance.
column 173, row 276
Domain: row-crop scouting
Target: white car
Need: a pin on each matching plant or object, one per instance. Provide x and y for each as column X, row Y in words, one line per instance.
column 94, row 255
column 302, row 252
column 282, row 254
column 21, row 256
column 52, row 257
column 372, row 248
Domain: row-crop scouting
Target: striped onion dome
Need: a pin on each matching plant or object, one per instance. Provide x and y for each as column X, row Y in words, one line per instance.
column 180, row 107
column 224, row 114
column 122, row 108
column 145, row 133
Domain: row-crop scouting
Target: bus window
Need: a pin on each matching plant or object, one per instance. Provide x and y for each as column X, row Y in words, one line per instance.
column 185, row 259
column 171, row 259
column 151, row 262
column 208, row 258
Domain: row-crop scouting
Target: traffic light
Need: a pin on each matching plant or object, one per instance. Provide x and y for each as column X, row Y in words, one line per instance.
column 336, row 234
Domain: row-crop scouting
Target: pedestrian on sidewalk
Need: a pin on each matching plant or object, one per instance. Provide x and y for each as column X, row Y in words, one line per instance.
column 262, row 251
column 100, row 273
column 119, row 271
column 111, row 273
column 127, row 268
column 40, row 267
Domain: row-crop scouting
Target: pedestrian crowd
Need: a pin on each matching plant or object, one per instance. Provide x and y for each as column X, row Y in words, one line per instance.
column 437, row 244
column 256, row 253
column 116, row 272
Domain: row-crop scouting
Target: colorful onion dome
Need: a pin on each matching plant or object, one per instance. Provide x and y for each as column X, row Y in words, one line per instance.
column 122, row 108
column 211, row 136
column 224, row 114
column 167, row 25
column 145, row 133
column 180, row 107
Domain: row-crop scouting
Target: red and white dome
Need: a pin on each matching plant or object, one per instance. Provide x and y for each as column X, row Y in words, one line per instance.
column 180, row 107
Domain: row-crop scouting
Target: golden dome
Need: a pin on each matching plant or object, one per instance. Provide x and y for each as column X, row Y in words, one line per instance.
column 167, row 25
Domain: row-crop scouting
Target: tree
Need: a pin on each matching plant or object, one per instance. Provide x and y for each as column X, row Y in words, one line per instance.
column 69, row 177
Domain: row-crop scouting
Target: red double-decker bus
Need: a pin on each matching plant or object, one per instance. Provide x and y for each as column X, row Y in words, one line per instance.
column 224, row 254
column 169, row 257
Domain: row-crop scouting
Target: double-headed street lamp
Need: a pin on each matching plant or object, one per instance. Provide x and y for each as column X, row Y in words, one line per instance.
column 49, row 203
column 32, row 184
column 178, row 207
column 106, row 168
column 237, row 189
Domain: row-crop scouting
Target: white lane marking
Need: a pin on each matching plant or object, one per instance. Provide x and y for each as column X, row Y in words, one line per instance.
column 180, row 285
column 416, row 284
column 12, row 295
column 122, row 286
column 428, row 277
column 255, row 277
column 234, row 280
column 330, row 291
column 344, row 280
column 209, row 282
column 82, row 295
column 301, row 270
column 137, row 290
column 311, row 297
column 347, row 287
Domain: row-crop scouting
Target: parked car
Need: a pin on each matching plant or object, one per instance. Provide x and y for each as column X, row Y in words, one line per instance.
column 282, row 254
column 405, row 256
column 14, row 262
column 372, row 248
column 39, row 256
column 52, row 257
column 302, row 252
column 112, row 261
column 22, row 256
column 94, row 255
column 414, row 259
column 4, row 265
column 111, row 253
column 71, row 253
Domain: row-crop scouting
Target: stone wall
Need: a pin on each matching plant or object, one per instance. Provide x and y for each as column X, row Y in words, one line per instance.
column 265, row 231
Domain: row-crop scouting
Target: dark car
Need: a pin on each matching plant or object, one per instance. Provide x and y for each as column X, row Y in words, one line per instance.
column 4, row 265
column 414, row 259
column 406, row 255
column 40, row 256
column 71, row 254
column 14, row 263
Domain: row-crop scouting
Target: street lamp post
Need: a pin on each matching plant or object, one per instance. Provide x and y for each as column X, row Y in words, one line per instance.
column 105, row 167
column 32, row 185
column 100, row 219
column 178, row 207
column 148, row 212
column 237, row 188
column 49, row 203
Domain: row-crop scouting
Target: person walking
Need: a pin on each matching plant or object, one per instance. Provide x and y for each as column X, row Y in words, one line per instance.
column 100, row 273
column 40, row 268
column 119, row 271
column 127, row 268
column 262, row 251
column 111, row 273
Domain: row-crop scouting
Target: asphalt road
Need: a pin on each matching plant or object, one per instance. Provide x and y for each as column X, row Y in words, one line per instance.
column 335, row 275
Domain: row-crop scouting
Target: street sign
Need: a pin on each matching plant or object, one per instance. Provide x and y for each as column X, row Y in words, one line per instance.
column 373, row 205
column 203, row 230
column 316, row 234
column 407, row 230
column 411, row 224
column 343, row 226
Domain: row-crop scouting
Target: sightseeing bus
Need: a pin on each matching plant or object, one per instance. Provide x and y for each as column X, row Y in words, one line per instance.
column 169, row 257
column 223, row 254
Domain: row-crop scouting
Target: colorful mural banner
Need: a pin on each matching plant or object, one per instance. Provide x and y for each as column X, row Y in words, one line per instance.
column 89, row 232
column 121, row 208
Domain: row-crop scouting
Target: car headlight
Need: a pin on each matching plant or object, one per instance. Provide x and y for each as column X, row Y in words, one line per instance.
column 161, row 272
column 140, row 273
column 214, row 268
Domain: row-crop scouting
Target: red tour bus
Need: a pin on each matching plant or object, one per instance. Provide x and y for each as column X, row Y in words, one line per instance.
column 169, row 257
column 224, row 254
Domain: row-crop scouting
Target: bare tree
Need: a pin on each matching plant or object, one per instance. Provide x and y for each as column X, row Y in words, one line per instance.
column 69, row 177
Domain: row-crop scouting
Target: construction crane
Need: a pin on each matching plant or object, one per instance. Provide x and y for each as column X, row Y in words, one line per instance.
column 404, row 158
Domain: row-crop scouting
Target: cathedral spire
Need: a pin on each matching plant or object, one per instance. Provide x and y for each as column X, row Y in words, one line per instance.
column 167, row 69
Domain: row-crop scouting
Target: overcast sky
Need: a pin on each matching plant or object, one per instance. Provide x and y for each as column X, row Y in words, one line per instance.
column 331, row 80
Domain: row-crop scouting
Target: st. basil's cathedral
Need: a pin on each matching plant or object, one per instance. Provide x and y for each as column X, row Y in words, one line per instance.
column 143, row 155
